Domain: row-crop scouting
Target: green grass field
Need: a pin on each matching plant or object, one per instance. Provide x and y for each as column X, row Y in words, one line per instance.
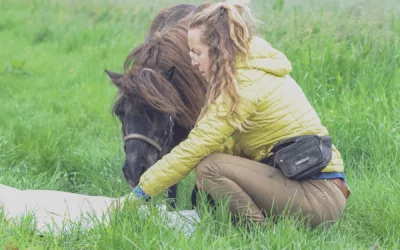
column 57, row 131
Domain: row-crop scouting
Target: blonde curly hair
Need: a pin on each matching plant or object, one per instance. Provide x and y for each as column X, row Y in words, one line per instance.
column 227, row 30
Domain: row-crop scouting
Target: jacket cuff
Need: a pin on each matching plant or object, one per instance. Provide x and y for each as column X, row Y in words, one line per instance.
column 138, row 191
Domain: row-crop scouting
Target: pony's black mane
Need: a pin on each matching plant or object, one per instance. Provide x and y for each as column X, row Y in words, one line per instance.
column 161, row 77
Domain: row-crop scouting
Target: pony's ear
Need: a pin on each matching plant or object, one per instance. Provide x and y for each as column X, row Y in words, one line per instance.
column 170, row 73
column 115, row 77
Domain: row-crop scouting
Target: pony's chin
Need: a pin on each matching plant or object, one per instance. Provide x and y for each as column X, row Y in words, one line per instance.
column 131, row 184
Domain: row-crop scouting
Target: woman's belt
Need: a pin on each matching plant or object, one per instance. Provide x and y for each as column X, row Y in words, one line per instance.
column 339, row 182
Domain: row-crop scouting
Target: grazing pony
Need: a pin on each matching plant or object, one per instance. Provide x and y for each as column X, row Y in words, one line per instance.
column 160, row 94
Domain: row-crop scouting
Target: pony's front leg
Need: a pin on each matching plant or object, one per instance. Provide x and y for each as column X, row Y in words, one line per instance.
column 172, row 196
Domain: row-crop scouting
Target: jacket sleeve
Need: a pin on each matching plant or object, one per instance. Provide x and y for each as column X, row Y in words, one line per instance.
column 210, row 133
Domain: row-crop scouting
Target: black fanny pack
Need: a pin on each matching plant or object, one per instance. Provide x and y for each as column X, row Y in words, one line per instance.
column 301, row 157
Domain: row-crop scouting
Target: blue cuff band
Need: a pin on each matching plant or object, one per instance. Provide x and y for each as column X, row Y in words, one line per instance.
column 140, row 193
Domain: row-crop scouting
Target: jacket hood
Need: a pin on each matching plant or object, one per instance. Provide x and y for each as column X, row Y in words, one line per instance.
column 263, row 56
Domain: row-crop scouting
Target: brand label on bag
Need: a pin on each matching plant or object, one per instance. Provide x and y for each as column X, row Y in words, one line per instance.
column 302, row 160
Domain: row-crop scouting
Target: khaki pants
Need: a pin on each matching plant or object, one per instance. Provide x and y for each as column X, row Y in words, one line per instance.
column 257, row 191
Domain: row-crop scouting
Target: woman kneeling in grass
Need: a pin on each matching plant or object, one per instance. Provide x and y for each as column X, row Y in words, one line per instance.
column 258, row 140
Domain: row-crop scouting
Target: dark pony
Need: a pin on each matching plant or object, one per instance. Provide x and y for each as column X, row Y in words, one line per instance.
column 160, row 95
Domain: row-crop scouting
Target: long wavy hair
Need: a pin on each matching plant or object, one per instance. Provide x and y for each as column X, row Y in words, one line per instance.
column 227, row 30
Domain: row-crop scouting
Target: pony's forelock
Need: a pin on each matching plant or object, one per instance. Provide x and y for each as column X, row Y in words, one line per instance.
column 147, row 81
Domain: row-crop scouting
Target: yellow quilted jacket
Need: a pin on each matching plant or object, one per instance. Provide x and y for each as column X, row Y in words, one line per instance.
column 272, row 108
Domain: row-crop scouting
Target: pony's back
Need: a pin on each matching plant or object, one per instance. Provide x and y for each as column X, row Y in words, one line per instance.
column 166, row 19
column 169, row 17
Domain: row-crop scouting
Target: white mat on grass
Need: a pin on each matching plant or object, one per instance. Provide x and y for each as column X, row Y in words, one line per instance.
column 57, row 211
